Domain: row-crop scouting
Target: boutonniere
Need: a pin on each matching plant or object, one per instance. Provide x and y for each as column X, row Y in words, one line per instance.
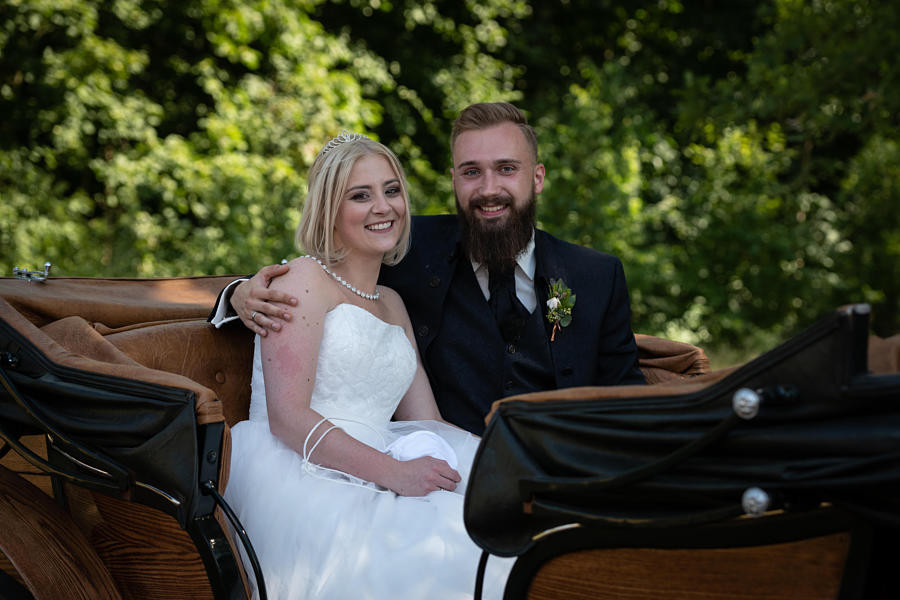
column 559, row 306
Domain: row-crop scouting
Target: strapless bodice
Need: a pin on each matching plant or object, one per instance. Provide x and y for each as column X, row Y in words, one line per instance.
column 364, row 368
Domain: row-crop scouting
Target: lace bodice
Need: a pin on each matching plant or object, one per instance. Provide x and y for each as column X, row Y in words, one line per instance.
column 365, row 366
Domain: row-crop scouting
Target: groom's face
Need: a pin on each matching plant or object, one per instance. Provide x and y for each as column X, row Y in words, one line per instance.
column 495, row 180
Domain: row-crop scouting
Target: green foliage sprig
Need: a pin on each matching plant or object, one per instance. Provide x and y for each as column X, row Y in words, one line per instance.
column 559, row 306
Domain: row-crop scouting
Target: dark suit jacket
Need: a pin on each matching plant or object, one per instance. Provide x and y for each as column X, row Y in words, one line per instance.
column 597, row 348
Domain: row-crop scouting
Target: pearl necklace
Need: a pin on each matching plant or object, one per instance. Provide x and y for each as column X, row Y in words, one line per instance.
column 346, row 283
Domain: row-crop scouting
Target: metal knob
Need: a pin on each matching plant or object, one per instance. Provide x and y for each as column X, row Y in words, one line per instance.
column 745, row 403
column 755, row 502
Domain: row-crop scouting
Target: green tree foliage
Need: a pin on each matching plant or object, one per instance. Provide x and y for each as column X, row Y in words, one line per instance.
column 823, row 77
column 741, row 157
column 727, row 151
column 145, row 138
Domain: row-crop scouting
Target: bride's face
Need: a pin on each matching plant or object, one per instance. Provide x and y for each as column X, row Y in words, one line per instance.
column 373, row 207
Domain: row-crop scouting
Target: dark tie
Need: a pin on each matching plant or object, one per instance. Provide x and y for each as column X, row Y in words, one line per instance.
column 508, row 311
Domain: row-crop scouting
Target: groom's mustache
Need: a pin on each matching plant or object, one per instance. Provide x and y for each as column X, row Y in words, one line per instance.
column 481, row 201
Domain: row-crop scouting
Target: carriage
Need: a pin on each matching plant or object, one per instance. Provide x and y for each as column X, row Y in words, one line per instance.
column 778, row 478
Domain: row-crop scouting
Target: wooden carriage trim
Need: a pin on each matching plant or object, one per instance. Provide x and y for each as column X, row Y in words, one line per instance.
column 45, row 546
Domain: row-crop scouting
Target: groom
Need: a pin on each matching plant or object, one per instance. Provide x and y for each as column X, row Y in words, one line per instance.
column 477, row 284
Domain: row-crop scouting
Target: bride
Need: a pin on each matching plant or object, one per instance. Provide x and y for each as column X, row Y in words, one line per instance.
column 347, row 480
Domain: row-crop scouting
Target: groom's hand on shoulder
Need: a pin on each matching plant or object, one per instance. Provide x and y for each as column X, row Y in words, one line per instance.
column 260, row 308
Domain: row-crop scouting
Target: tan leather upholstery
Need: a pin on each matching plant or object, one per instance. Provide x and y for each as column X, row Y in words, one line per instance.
column 884, row 354
column 218, row 359
column 664, row 361
column 113, row 302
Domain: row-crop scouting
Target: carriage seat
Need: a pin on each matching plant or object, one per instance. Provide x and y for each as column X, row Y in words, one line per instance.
column 220, row 359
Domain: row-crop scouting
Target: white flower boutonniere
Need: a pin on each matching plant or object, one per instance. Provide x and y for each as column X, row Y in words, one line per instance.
column 559, row 306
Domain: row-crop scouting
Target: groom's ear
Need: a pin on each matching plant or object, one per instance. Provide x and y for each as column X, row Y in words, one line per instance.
column 539, row 173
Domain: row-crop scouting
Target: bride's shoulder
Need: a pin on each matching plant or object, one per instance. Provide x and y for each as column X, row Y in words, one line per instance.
column 394, row 303
column 304, row 268
column 389, row 296
column 305, row 277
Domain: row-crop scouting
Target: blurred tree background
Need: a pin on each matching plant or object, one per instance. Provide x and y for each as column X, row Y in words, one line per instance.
column 740, row 157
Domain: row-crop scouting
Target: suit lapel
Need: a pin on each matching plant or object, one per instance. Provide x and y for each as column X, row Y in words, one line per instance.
column 428, row 268
column 549, row 266
column 435, row 243
column 442, row 261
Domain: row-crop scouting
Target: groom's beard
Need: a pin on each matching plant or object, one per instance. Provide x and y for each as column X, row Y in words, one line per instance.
column 496, row 245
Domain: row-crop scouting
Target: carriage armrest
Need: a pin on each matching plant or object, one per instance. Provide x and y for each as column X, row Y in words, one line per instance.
column 219, row 359
column 75, row 343
column 665, row 361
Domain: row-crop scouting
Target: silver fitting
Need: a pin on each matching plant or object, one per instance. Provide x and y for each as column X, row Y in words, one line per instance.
column 755, row 502
column 745, row 403
column 32, row 275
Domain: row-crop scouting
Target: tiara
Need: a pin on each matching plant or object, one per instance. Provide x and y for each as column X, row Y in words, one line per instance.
column 345, row 136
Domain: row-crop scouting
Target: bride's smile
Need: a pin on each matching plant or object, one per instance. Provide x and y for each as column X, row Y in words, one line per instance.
column 380, row 226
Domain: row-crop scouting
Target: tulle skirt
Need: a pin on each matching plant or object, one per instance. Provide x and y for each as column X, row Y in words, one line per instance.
column 325, row 535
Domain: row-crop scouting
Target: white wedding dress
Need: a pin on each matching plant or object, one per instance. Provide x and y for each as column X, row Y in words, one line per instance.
column 322, row 534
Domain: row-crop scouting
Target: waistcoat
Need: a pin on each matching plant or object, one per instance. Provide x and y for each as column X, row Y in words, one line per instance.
column 469, row 362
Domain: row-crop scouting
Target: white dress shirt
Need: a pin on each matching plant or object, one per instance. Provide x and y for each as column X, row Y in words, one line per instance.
column 224, row 312
column 525, row 266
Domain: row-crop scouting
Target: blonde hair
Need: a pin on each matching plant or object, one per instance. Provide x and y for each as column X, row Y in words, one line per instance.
column 325, row 187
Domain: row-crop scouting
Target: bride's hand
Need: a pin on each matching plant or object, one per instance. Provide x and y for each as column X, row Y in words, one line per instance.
column 421, row 476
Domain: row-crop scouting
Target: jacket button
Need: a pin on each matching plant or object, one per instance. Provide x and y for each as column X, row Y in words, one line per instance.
column 435, row 281
column 511, row 348
column 422, row 331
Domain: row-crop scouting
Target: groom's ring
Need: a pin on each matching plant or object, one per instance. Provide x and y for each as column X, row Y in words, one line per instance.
column 253, row 316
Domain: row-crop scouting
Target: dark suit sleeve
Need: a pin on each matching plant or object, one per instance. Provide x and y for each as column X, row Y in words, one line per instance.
column 618, row 360
column 225, row 296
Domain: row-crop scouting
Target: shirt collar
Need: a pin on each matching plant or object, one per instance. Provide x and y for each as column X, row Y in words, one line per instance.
column 525, row 259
